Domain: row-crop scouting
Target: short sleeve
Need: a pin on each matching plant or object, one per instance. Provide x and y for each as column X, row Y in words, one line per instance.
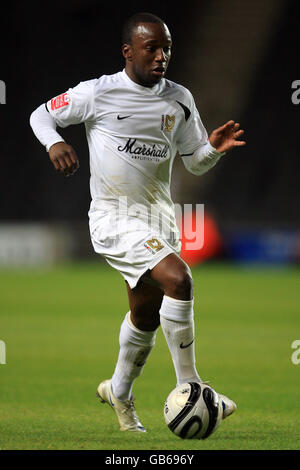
column 192, row 132
column 75, row 106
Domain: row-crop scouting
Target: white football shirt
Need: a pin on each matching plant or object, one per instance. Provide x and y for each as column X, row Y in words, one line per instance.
column 133, row 134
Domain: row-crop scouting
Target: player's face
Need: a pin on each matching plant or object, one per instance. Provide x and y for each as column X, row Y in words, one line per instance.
column 148, row 56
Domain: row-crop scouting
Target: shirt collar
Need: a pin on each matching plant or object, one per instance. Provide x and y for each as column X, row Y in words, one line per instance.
column 152, row 90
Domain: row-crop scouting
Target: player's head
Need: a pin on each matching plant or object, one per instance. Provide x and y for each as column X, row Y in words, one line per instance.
column 147, row 48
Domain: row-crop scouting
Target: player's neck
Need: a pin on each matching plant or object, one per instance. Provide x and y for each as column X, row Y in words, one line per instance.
column 136, row 80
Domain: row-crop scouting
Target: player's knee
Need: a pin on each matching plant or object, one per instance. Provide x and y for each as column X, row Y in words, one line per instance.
column 180, row 285
column 144, row 320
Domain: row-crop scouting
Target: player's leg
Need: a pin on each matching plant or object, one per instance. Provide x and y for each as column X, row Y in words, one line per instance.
column 177, row 320
column 137, row 337
column 177, row 315
column 144, row 303
column 174, row 277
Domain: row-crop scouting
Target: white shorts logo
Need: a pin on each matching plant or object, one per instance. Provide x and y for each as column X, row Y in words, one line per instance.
column 153, row 245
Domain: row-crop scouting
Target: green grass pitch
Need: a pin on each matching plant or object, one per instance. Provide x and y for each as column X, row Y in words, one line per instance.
column 61, row 328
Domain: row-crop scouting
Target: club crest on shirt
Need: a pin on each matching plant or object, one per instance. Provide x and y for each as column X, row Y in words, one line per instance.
column 167, row 122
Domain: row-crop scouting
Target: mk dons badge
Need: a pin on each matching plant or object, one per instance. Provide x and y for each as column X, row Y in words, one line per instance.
column 167, row 122
column 153, row 245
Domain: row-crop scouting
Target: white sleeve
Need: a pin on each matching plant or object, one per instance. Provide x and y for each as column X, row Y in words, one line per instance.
column 192, row 132
column 44, row 127
column 197, row 154
column 72, row 107
column 75, row 106
column 202, row 159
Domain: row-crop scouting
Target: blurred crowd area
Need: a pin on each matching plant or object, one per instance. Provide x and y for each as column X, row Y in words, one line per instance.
column 238, row 60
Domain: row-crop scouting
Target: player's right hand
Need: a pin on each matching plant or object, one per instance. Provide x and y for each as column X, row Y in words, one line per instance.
column 64, row 158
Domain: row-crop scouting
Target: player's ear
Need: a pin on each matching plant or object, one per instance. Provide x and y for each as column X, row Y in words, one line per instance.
column 127, row 51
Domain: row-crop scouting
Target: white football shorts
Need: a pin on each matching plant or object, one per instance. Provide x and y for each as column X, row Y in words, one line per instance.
column 132, row 248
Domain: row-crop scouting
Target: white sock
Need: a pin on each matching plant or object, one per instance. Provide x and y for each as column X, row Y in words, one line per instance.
column 135, row 347
column 177, row 322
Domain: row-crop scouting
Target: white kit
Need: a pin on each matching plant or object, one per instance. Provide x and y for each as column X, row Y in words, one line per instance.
column 133, row 134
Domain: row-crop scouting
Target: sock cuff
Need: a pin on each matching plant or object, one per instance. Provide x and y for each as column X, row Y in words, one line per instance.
column 146, row 337
column 177, row 310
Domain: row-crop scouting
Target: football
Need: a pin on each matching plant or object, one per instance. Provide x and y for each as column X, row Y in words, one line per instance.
column 193, row 411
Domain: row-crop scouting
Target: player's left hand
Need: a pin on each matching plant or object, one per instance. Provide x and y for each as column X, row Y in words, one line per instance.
column 226, row 137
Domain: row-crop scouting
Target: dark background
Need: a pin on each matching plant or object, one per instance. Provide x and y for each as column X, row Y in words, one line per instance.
column 53, row 46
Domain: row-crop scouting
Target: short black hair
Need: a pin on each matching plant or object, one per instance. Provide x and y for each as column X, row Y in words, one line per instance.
column 134, row 21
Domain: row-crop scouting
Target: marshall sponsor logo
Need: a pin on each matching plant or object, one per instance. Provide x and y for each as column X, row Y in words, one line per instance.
column 144, row 150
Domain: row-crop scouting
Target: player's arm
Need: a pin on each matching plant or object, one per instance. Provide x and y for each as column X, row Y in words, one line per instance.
column 221, row 140
column 198, row 151
column 226, row 138
column 62, row 155
column 75, row 106
column 64, row 158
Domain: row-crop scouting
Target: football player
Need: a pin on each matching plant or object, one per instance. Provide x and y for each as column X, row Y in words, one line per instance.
column 136, row 122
